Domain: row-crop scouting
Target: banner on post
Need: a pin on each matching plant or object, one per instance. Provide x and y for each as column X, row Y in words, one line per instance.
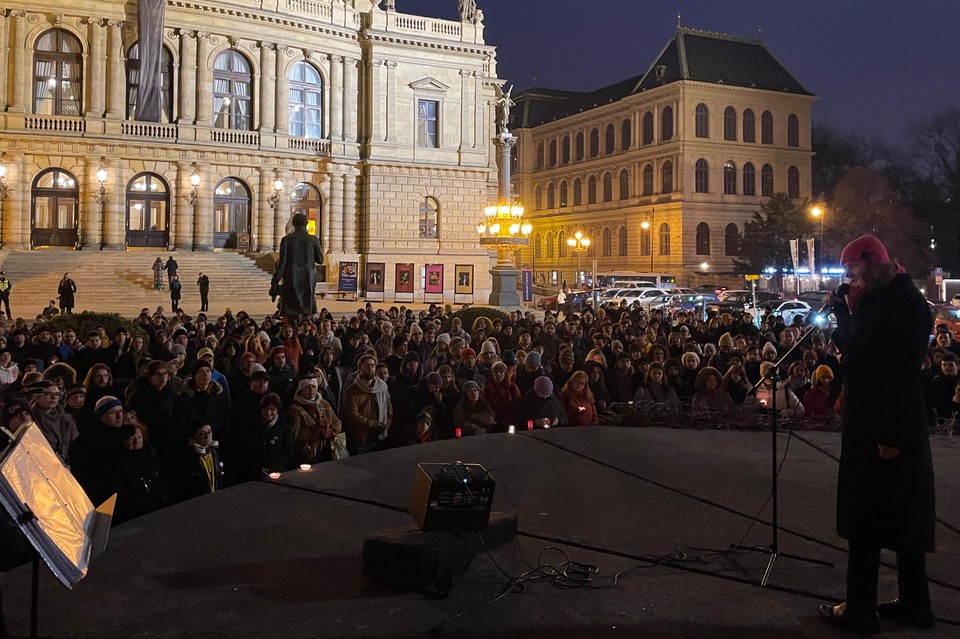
column 347, row 282
column 464, row 281
column 374, row 278
column 404, row 283
column 526, row 284
column 434, row 283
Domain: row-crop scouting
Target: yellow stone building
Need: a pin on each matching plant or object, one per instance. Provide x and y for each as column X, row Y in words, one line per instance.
column 661, row 171
column 376, row 124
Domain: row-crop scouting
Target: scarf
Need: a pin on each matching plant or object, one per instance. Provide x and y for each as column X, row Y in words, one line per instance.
column 380, row 391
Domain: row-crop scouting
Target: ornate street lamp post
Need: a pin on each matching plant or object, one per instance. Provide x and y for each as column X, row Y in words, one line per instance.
column 101, row 199
column 578, row 244
column 820, row 212
column 647, row 225
column 503, row 228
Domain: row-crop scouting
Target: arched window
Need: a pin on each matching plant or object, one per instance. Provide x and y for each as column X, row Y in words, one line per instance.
column 594, row 143
column 702, row 176
column 648, row 128
column 607, row 187
column 702, row 121
column 565, row 150
column 579, row 146
column 305, row 198
column 563, row 194
column 666, row 177
column 793, row 130
column 592, row 249
column 610, row 140
column 551, row 196
column 731, row 240
column 664, row 239
column 622, row 241
column 666, row 123
column 231, row 212
column 553, row 153
column 577, row 192
column 749, row 126
column 592, row 190
column 232, row 97
column 793, row 182
column 539, row 162
column 165, row 88
column 537, row 245
column 624, row 184
column 58, row 74
column 729, row 178
column 561, row 245
column 148, row 203
column 626, row 133
column 766, row 128
column 607, row 242
column 306, row 102
column 646, row 237
column 538, row 198
column 766, row 180
column 648, row 179
column 703, row 238
column 550, row 246
column 55, row 201
column 749, row 179
column 730, row 124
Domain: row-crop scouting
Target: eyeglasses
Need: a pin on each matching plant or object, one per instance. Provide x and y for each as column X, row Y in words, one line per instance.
column 52, row 393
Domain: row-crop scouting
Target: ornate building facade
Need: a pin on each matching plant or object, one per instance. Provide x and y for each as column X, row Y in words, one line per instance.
column 661, row 171
column 376, row 124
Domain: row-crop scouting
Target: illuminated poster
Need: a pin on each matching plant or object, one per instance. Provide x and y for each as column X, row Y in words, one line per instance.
column 434, row 283
column 404, row 282
column 374, row 279
column 464, row 280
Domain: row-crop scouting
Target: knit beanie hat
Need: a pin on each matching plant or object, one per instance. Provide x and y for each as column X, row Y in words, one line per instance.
column 865, row 248
column 567, row 356
column 821, row 372
column 468, row 352
column 769, row 347
column 533, row 359
column 689, row 356
column 468, row 385
column 542, row 386
column 75, row 389
column 488, row 347
column 509, row 358
column 105, row 403
column 13, row 408
column 434, row 379
column 726, row 340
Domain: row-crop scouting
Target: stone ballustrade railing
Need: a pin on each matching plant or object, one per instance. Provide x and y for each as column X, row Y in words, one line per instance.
column 310, row 7
column 55, row 124
column 425, row 26
column 150, row 130
column 305, row 144
column 247, row 138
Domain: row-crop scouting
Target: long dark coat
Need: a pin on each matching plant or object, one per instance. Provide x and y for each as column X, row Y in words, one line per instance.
column 299, row 252
column 65, row 291
column 883, row 344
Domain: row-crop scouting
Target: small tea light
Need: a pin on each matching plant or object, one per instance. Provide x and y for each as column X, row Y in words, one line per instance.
column 304, row 466
column 274, row 475
column 457, row 433
column 546, row 425
column 511, row 429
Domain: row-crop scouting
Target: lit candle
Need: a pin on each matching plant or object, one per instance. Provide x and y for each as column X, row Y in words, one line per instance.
column 274, row 475
column 304, row 466
column 511, row 429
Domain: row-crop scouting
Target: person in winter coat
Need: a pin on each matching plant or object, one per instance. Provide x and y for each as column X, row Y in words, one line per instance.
column 197, row 469
column 472, row 414
column 366, row 409
column 175, row 287
column 540, row 407
column 58, row 426
column 709, row 395
column 816, row 401
column 137, row 477
column 66, row 291
column 502, row 395
column 578, row 401
column 656, row 390
column 157, row 274
column 267, row 446
column 885, row 488
column 171, row 268
column 314, row 423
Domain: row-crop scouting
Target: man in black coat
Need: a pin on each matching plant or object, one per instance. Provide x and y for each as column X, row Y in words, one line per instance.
column 885, row 490
column 203, row 283
column 299, row 252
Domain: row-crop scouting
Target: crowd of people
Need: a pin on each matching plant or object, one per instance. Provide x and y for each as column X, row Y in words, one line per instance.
column 187, row 405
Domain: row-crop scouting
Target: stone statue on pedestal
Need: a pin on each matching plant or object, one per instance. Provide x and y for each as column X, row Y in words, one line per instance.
column 503, row 103
column 468, row 10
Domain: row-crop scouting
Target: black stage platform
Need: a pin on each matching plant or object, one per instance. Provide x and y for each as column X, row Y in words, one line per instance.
column 282, row 558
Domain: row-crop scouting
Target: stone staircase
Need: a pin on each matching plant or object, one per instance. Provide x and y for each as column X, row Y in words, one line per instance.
column 122, row 281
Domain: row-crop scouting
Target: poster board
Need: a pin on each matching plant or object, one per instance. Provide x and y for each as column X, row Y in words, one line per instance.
column 527, row 285
column 373, row 280
column 403, row 283
column 347, row 280
column 433, row 282
column 462, row 283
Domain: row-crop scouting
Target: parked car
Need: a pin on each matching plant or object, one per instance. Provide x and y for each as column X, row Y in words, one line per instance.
column 688, row 303
column 790, row 309
column 741, row 300
column 641, row 295
column 714, row 289
column 608, row 294
column 955, row 300
column 813, row 298
column 949, row 316
column 575, row 298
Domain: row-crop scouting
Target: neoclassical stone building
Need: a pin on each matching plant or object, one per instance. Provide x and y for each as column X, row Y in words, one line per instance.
column 661, row 171
column 376, row 124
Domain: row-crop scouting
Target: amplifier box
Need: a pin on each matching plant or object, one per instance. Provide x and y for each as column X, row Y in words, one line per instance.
column 451, row 497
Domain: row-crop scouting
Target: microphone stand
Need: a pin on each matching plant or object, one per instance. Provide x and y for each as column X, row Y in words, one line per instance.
column 773, row 549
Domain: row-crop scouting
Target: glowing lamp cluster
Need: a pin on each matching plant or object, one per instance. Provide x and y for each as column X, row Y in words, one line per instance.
column 503, row 229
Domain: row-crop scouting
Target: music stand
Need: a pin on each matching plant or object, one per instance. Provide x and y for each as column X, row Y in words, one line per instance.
column 773, row 549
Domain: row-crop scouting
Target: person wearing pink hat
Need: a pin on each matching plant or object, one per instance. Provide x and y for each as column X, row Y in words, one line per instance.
column 885, row 489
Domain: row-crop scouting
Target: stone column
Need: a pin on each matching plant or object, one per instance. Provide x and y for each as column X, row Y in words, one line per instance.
column 5, row 25
column 464, row 109
column 336, row 98
column 350, row 212
column 326, row 221
column 390, row 102
column 350, row 71
column 21, row 62
column 204, row 84
column 262, row 214
column 116, row 77
column 282, row 117
column 336, row 213
column 98, row 63
column 268, row 87
column 188, row 77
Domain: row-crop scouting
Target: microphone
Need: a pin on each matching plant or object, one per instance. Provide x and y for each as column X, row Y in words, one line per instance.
column 841, row 292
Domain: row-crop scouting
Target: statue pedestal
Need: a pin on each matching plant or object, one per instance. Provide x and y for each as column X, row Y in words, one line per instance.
column 504, row 286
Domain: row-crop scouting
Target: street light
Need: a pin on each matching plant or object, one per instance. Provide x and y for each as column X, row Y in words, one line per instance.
column 819, row 212
column 647, row 225
column 194, row 196
column 578, row 244
column 101, row 199
column 3, row 193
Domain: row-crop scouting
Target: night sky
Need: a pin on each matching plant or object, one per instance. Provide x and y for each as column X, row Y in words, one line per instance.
column 875, row 65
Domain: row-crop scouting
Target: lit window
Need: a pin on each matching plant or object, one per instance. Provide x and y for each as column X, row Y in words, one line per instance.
column 427, row 121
